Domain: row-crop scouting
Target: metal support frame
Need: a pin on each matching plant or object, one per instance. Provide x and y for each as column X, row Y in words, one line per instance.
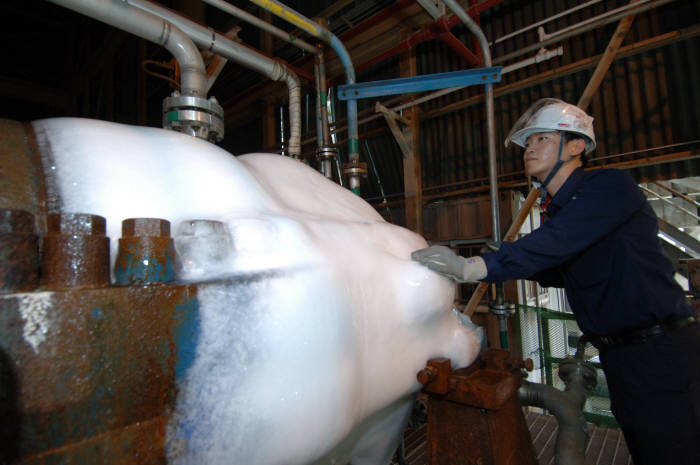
column 419, row 83
column 403, row 137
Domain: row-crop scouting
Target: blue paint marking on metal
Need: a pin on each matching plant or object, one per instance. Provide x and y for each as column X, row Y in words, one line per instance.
column 144, row 265
column 419, row 83
column 186, row 335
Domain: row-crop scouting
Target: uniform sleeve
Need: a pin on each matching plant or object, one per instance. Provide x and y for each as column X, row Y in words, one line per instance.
column 548, row 278
column 606, row 200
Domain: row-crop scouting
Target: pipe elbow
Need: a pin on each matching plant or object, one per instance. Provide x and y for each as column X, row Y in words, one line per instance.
column 193, row 78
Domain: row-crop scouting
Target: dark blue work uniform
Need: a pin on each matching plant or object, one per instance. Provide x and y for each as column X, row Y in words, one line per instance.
column 600, row 243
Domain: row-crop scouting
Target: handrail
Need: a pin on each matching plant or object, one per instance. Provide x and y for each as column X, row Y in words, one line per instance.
column 678, row 194
column 669, row 202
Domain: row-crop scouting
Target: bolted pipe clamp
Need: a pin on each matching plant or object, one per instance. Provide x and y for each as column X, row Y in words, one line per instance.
column 194, row 116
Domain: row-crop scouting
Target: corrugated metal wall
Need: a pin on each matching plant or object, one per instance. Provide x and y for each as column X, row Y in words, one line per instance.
column 648, row 100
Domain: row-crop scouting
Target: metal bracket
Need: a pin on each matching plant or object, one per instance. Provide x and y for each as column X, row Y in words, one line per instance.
column 403, row 137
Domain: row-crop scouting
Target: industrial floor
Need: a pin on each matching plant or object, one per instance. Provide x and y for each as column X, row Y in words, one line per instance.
column 605, row 447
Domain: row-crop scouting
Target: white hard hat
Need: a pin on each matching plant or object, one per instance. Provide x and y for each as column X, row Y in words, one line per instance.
column 550, row 114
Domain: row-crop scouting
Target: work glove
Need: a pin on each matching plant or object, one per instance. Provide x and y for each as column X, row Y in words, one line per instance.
column 443, row 260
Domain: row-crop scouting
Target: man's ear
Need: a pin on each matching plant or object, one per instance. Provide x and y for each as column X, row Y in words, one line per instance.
column 576, row 146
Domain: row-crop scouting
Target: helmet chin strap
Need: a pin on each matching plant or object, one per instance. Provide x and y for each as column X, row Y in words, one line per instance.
column 555, row 168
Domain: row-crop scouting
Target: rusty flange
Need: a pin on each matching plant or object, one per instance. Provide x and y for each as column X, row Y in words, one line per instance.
column 75, row 252
column 146, row 252
column 19, row 251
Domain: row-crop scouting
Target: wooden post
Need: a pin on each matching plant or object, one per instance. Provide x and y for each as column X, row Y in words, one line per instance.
column 412, row 174
column 606, row 60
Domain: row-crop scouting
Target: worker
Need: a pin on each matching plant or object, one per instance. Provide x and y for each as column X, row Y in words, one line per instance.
column 598, row 240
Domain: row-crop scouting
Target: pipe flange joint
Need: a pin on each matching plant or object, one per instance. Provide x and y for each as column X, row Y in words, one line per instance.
column 326, row 152
column 355, row 168
column 501, row 309
column 194, row 116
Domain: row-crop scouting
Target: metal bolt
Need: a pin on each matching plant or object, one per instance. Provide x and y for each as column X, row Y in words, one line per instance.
column 426, row 375
column 146, row 227
column 81, row 224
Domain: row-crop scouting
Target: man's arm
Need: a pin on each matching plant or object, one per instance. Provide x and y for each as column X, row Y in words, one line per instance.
column 605, row 201
column 548, row 278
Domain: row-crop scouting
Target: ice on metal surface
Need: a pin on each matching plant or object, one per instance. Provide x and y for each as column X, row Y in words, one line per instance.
column 312, row 357
column 34, row 308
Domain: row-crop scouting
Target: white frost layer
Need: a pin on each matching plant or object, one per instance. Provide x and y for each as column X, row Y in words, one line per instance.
column 314, row 358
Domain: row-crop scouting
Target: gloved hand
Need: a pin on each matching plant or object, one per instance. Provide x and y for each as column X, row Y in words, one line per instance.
column 443, row 260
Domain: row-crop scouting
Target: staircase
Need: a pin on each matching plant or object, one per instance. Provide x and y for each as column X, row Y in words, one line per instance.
column 675, row 203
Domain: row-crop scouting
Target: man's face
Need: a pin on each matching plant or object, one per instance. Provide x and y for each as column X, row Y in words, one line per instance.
column 541, row 154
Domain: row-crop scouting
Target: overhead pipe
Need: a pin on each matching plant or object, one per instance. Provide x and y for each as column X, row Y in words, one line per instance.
column 208, row 39
column 354, row 169
column 265, row 26
column 585, row 26
column 121, row 15
column 545, row 21
column 187, row 110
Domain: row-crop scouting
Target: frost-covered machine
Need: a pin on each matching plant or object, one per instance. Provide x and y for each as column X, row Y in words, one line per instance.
column 165, row 302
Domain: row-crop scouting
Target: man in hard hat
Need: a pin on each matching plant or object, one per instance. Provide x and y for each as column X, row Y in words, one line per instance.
column 599, row 241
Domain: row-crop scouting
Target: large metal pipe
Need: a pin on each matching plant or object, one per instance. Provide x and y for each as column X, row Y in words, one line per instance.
column 265, row 26
column 566, row 405
column 193, row 79
column 490, row 113
column 218, row 43
column 324, row 34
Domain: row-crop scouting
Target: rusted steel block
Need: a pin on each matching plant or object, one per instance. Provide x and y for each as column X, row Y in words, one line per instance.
column 487, row 384
column 146, row 252
column 75, row 252
column 483, row 388
column 83, row 365
column 465, row 435
column 19, row 251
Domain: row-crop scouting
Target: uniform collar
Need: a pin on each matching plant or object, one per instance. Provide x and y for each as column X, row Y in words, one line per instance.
column 567, row 190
